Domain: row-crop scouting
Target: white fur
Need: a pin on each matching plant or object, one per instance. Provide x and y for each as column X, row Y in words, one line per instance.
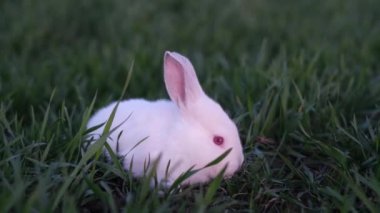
column 180, row 131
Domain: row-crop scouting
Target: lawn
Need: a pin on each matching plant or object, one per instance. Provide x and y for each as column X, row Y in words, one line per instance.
column 300, row 78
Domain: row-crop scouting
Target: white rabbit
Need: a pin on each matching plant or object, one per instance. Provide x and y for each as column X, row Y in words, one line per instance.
column 190, row 130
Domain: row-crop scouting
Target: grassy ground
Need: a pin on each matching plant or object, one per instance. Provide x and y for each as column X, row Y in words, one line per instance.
column 301, row 79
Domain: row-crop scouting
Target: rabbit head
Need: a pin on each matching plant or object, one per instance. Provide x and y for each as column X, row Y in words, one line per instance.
column 203, row 131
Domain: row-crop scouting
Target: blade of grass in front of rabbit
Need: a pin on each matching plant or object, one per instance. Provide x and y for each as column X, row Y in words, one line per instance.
column 191, row 172
column 89, row 137
column 129, row 76
column 182, row 178
column 82, row 129
column 113, row 156
column 218, row 159
column 149, row 176
column 152, row 175
column 211, row 190
column 138, row 143
column 146, row 164
column 93, row 150
column 167, row 171
column 91, row 129
column 117, row 141
column 107, row 128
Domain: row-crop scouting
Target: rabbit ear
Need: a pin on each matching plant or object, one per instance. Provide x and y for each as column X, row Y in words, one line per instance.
column 180, row 79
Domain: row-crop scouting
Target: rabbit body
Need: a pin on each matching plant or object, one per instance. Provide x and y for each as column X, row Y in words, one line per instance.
column 188, row 131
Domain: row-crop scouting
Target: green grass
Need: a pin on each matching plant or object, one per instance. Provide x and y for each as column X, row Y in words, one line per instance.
column 301, row 79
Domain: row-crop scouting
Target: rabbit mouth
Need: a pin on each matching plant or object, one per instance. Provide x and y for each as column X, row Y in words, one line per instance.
column 215, row 171
column 226, row 176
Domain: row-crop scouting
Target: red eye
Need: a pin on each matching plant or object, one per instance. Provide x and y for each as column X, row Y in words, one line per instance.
column 218, row 140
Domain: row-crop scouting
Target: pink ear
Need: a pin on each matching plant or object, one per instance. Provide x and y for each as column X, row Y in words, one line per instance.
column 180, row 79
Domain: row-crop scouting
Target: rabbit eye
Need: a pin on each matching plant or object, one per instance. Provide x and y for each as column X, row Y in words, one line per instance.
column 218, row 140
